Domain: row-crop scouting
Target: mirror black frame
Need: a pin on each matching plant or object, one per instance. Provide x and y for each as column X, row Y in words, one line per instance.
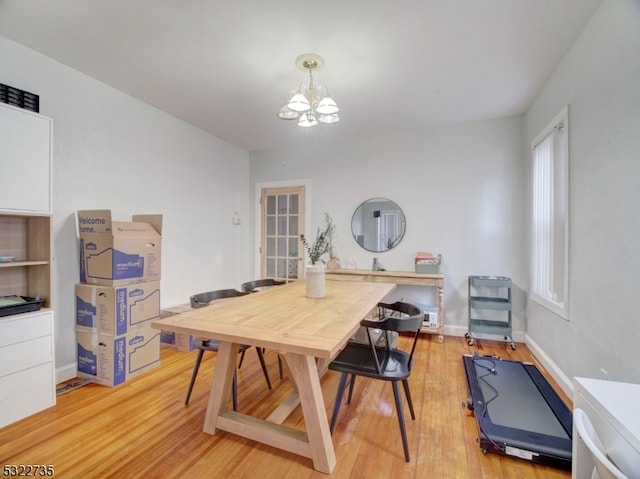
column 377, row 209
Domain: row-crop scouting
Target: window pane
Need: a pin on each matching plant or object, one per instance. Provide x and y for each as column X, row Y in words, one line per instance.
column 271, row 225
column 282, row 247
column 293, row 225
column 293, row 269
column 281, row 271
column 271, row 246
column 282, row 225
column 271, row 205
column 282, row 204
column 293, row 247
column 271, row 267
column 293, row 208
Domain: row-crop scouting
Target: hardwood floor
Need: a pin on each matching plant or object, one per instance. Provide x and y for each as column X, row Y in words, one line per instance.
column 143, row 429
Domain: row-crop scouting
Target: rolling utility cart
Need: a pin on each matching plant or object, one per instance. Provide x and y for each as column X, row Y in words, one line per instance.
column 490, row 307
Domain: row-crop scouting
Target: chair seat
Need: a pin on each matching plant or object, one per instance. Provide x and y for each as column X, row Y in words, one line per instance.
column 357, row 359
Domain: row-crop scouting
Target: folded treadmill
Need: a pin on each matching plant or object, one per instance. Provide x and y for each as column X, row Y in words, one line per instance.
column 518, row 412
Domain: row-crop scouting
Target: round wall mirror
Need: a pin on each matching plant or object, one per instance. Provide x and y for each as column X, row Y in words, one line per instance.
column 378, row 225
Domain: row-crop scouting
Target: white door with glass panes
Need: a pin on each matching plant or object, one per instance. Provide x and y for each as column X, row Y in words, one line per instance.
column 281, row 225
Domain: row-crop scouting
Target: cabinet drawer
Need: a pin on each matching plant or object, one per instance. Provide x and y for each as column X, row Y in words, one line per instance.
column 26, row 392
column 25, row 327
column 25, row 355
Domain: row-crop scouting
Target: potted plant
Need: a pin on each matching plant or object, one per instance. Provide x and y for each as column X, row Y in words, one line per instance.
column 323, row 242
column 315, row 251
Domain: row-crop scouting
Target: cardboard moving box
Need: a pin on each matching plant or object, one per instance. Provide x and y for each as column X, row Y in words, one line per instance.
column 178, row 341
column 113, row 360
column 117, row 310
column 115, row 253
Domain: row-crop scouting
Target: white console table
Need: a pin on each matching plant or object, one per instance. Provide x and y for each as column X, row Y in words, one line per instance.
column 613, row 408
column 398, row 277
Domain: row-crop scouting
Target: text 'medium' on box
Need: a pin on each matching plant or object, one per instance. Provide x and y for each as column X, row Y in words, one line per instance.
column 114, row 253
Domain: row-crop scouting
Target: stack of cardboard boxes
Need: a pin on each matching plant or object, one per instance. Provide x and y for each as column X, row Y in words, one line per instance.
column 118, row 297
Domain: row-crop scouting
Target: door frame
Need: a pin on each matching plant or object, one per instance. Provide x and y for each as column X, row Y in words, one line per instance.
column 259, row 186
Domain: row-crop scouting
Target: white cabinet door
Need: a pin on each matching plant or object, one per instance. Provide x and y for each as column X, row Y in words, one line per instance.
column 25, row 160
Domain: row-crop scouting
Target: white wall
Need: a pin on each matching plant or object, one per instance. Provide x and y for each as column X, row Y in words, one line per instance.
column 600, row 81
column 114, row 152
column 460, row 187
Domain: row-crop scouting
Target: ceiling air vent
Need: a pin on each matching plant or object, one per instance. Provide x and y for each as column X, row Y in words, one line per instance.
column 19, row 98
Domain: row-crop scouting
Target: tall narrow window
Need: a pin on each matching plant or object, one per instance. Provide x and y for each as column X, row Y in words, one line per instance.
column 550, row 216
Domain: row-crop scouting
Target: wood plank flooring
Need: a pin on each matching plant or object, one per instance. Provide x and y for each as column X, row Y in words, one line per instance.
column 143, row 429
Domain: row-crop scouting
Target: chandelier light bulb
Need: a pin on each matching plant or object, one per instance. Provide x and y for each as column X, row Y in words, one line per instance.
column 333, row 118
column 307, row 119
column 286, row 113
column 299, row 103
column 327, row 106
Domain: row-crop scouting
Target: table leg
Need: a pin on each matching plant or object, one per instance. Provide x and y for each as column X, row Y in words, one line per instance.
column 286, row 407
column 221, row 384
column 305, row 373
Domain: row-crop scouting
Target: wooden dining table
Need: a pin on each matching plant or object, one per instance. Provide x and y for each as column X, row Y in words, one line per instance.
column 307, row 332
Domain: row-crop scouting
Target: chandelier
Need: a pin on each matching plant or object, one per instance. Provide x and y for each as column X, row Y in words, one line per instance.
column 311, row 103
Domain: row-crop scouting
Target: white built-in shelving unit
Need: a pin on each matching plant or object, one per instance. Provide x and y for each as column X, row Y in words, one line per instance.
column 27, row 365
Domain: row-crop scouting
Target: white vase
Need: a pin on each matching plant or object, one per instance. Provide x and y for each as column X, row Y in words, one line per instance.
column 315, row 280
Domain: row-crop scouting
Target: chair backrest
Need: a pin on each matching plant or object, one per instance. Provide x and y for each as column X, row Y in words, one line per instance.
column 201, row 300
column 400, row 317
column 604, row 468
column 255, row 285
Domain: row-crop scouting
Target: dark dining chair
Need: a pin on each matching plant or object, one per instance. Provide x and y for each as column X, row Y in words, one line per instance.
column 255, row 286
column 258, row 284
column 200, row 301
column 383, row 362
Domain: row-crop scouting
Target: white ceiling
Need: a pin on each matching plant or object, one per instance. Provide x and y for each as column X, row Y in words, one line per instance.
column 227, row 66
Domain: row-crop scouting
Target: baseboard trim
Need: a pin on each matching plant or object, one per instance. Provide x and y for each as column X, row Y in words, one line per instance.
column 66, row 372
column 517, row 336
column 560, row 377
